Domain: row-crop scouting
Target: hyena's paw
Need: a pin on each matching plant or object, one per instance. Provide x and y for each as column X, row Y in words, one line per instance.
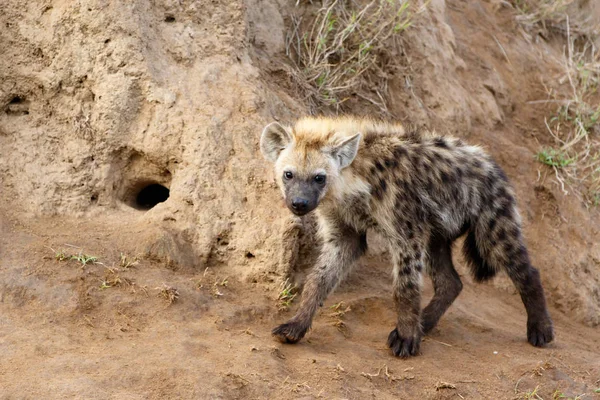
column 540, row 333
column 290, row 332
column 404, row 346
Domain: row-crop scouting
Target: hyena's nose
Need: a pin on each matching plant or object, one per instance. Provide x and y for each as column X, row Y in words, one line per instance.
column 299, row 204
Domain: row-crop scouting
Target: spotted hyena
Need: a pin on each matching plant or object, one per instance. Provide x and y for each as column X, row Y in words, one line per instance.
column 421, row 191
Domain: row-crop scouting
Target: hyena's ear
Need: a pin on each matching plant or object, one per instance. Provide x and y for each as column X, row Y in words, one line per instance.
column 345, row 152
column 273, row 139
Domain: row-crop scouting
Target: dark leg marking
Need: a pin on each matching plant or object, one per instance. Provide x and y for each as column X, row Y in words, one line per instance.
column 446, row 282
column 526, row 278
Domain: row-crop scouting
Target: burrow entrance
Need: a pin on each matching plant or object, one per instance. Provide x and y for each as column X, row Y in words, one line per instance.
column 146, row 194
column 150, row 196
column 144, row 183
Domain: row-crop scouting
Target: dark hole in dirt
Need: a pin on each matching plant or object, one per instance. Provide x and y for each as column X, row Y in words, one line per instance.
column 249, row 255
column 169, row 18
column 150, row 196
column 94, row 198
column 17, row 106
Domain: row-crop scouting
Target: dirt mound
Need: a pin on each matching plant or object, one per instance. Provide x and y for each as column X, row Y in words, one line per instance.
column 100, row 101
column 132, row 129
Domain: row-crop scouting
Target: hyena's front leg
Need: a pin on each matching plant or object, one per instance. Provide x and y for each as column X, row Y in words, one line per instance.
column 342, row 246
column 405, row 339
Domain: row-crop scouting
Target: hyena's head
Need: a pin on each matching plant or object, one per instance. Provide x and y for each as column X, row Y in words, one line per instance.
column 307, row 163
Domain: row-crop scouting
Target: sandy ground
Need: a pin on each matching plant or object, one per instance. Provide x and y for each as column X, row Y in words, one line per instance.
column 65, row 334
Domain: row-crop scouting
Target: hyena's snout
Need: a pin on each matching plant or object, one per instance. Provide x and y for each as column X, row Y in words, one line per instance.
column 301, row 205
column 301, row 197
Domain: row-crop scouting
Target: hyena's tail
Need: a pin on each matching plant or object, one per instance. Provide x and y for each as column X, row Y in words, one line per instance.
column 481, row 270
column 494, row 240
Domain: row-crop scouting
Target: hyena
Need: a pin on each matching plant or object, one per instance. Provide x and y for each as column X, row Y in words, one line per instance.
column 421, row 191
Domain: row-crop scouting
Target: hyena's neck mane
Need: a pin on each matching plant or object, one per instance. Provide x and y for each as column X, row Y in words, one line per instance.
column 375, row 152
column 323, row 129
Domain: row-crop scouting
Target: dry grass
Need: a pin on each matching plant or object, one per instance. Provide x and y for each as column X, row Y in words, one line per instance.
column 170, row 294
column 574, row 155
column 542, row 15
column 113, row 279
column 127, row 262
column 338, row 51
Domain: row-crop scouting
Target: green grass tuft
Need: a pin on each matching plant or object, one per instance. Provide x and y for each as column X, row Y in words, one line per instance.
column 554, row 158
column 286, row 296
column 84, row 259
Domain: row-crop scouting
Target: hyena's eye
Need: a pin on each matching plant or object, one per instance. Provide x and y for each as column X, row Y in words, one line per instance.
column 288, row 175
column 320, row 179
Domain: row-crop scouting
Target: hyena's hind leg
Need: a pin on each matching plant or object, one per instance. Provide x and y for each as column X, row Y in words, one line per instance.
column 446, row 282
column 497, row 244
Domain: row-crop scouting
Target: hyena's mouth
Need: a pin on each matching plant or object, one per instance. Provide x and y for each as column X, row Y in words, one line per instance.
column 300, row 213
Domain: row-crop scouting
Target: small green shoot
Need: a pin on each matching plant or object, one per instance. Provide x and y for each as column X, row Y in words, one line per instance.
column 554, row 158
column 61, row 255
column 104, row 285
column 84, row 259
column 533, row 394
column 286, row 296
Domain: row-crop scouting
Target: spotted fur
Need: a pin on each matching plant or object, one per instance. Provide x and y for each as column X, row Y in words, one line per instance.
column 421, row 191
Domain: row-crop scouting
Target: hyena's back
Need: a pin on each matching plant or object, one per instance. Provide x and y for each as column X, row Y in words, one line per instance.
column 448, row 188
